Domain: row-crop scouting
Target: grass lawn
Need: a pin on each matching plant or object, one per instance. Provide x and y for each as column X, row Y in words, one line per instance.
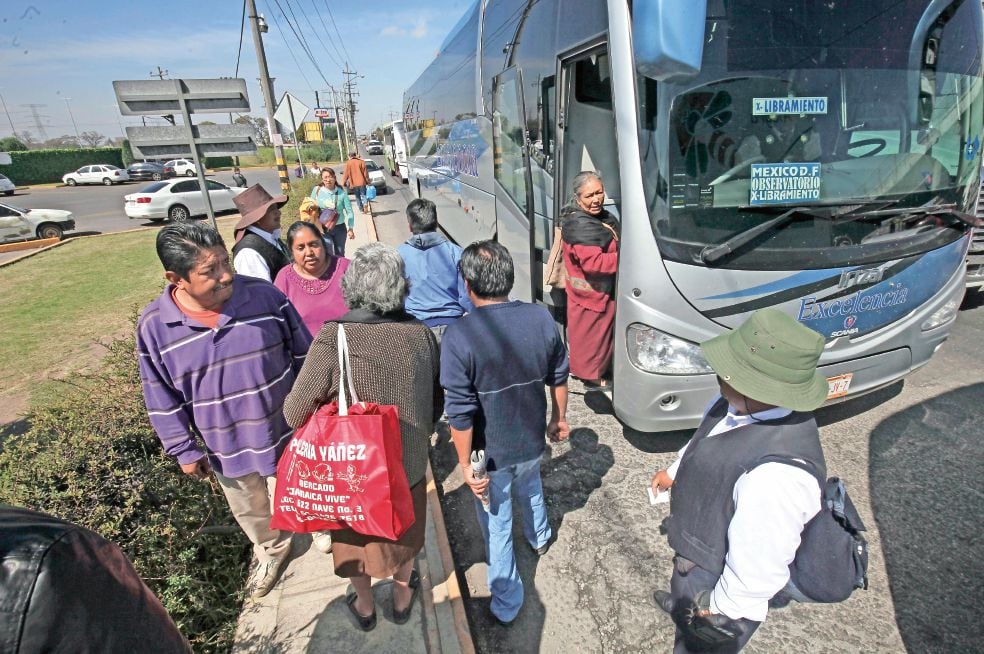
column 58, row 306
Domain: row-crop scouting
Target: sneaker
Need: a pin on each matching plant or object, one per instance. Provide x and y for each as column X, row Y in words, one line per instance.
column 322, row 541
column 264, row 577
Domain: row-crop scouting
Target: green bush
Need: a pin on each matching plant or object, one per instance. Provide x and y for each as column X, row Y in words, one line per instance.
column 46, row 166
column 127, row 153
column 322, row 153
column 218, row 162
column 93, row 458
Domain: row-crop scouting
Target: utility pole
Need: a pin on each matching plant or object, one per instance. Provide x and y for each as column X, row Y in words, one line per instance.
column 13, row 132
column 278, row 147
column 78, row 137
column 349, row 84
column 161, row 74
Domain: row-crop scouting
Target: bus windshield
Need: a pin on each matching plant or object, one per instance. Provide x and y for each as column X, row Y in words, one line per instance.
column 858, row 110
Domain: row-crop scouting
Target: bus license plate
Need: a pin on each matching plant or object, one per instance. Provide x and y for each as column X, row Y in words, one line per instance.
column 838, row 386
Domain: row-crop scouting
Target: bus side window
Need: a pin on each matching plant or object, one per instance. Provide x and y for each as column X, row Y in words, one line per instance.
column 508, row 135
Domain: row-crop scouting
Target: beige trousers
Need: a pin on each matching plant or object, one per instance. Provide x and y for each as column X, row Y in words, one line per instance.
column 251, row 500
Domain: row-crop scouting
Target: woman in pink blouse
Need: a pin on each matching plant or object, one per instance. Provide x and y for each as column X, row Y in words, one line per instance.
column 313, row 283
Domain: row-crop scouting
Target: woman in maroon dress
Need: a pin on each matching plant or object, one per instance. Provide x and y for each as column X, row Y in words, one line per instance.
column 590, row 237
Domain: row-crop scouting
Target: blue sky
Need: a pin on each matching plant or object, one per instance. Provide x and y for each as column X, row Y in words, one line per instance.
column 51, row 50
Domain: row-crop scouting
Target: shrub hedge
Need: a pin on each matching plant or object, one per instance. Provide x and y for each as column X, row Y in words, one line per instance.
column 47, row 166
column 94, row 459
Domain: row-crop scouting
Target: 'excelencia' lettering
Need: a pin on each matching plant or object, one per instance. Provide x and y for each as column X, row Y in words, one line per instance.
column 813, row 309
column 768, row 106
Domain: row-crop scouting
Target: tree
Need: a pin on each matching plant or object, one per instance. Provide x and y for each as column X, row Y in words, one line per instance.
column 259, row 126
column 61, row 142
column 91, row 139
column 27, row 139
column 9, row 143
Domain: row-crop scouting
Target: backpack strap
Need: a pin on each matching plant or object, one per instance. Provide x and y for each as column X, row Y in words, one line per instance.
column 833, row 494
column 796, row 463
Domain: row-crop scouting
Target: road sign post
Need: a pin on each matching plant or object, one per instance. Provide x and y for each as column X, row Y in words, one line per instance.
column 187, row 97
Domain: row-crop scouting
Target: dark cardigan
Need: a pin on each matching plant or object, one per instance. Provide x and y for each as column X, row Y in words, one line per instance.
column 393, row 362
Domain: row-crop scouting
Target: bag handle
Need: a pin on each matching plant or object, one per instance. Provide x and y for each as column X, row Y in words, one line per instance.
column 344, row 373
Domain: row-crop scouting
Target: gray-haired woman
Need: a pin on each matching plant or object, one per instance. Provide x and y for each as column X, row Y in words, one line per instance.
column 394, row 361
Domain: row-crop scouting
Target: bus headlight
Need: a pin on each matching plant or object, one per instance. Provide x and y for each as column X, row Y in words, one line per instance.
column 943, row 315
column 653, row 351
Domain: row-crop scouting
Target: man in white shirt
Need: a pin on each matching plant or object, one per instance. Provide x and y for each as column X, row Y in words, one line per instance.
column 736, row 518
column 258, row 251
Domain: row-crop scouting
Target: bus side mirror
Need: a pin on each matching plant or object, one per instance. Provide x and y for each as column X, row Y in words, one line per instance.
column 668, row 37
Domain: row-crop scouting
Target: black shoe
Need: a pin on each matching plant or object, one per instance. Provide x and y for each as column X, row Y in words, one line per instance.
column 400, row 617
column 364, row 622
column 503, row 623
column 664, row 600
column 540, row 551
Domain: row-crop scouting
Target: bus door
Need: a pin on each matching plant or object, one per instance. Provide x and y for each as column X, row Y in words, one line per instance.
column 586, row 125
column 515, row 226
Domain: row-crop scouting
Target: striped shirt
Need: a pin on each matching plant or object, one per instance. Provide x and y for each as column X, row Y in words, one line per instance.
column 227, row 384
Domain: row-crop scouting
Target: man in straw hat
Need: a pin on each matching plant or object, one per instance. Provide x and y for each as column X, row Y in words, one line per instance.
column 736, row 518
column 258, row 251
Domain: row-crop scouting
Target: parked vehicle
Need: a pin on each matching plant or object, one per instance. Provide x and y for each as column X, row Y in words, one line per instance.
column 395, row 150
column 149, row 170
column 826, row 176
column 17, row 224
column 178, row 200
column 376, row 176
column 374, row 147
column 97, row 174
column 184, row 167
column 6, row 186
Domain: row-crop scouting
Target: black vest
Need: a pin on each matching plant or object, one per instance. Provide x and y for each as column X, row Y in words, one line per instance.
column 701, row 505
column 273, row 256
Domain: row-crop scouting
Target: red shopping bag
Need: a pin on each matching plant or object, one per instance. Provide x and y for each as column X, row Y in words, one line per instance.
column 344, row 467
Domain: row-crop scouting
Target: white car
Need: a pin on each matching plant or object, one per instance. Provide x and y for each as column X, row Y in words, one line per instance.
column 6, row 186
column 185, row 167
column 99, row 174
column 17, row 224
column 178, row 200
column 376, row 177
column 374, row 147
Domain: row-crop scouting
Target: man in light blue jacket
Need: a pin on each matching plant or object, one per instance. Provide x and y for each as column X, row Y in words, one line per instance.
column 437, row 292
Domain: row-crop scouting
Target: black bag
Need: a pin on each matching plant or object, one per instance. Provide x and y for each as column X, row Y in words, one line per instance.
column 832, row 559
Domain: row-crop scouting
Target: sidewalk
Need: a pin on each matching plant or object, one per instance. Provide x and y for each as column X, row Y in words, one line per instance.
column 306, row 611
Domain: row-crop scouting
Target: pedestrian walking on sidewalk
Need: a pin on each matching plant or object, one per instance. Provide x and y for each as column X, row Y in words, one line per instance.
column 394, row 361
column 437, row 295
column 336, row 218
column 735, row 520
column 495, row 362
column 355, row 177
column 215, row 404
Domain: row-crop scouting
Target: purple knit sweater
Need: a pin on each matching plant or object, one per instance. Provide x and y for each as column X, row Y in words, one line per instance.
column 226, row 384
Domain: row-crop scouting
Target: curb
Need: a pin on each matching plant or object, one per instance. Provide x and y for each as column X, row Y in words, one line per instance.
column 447, row 625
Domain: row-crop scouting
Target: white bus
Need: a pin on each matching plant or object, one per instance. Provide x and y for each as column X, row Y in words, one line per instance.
column 395, row 150
column 821, row 158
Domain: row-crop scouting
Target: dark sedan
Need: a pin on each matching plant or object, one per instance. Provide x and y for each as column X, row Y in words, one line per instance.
column 149, row 170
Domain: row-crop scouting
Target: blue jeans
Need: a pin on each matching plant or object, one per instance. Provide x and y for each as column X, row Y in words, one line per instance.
column 360, row 195
column 338, row 235
column 521, row 480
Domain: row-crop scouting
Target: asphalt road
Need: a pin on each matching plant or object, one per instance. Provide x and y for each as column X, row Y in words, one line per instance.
column 99, row 209
column 911, row 455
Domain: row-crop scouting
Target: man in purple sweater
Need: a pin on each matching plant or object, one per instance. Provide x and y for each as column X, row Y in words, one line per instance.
column 218, row 354
column 495, row 363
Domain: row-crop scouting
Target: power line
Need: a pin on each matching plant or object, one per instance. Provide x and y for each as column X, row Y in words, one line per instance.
column 242, row 28
column 325, row 25
column 328, row 31
column 287, row 44
column 300, row 40
column 347, row 56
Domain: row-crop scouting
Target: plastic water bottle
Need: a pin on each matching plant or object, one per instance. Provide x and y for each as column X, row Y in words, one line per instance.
column 478, row 472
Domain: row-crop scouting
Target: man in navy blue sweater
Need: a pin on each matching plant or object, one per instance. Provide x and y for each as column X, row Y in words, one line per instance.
column 495, row 362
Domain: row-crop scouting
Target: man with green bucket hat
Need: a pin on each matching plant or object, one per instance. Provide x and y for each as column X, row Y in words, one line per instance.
column 737, row 511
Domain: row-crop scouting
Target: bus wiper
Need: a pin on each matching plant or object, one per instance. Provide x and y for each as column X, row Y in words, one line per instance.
column 827, row 211
column 949, row 210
